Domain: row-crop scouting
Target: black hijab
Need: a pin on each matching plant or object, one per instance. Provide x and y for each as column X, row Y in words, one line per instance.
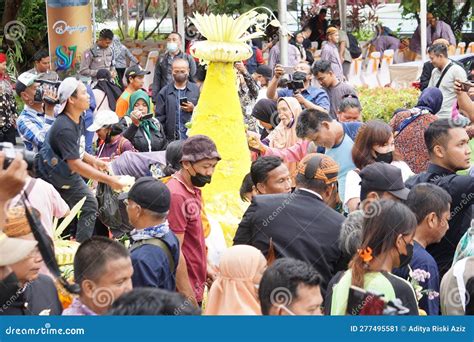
column 111, row 90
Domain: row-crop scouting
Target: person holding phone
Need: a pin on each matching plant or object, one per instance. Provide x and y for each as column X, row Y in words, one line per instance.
column 464, row 95
column 143, row 130
column 176, row 102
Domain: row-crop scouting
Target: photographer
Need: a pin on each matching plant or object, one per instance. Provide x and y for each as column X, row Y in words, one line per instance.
column 62, row 161
column 38, row 114
column 308, row 96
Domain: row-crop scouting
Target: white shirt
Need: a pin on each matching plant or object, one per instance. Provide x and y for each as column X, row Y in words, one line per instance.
column 447, row 87
column 353, row 179
column 311, row 192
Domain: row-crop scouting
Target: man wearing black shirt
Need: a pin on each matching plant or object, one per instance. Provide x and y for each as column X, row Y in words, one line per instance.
column 449, row 152
column 66, row 139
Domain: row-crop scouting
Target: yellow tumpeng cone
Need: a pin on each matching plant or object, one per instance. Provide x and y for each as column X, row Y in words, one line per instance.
column 219, row 116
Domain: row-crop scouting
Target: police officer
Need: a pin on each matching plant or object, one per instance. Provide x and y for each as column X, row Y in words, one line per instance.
column 99, row 56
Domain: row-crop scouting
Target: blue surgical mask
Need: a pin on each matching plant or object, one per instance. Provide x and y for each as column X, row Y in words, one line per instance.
column 172, row 47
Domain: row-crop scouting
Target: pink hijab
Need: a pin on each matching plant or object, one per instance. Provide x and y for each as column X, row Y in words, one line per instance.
column 283, row 136
column 234, row 291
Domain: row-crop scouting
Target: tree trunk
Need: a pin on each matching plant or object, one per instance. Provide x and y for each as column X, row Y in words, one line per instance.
column 10, row 11
column 173, row 15
column 157, row 25
column 125, row 17
column 141, row 18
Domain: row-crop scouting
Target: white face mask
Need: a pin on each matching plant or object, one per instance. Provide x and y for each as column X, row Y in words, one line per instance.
column 171, row 46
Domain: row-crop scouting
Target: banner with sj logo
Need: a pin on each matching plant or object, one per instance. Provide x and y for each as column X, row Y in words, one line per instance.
column 69, row 33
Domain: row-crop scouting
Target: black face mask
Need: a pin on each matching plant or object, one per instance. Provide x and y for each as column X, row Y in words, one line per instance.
column 384, row 157
column 200, row 180
column 406, row 258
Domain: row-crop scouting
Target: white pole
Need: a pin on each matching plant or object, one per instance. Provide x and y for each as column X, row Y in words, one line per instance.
column 93, row 22
column 180, row 20
column 343, row 14
column 423, row 29
column 283, row 35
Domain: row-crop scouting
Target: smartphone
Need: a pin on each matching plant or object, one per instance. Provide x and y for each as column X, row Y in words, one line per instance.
column 183, row 101
column 288, row 70
column 146, row 116
column 466, row 85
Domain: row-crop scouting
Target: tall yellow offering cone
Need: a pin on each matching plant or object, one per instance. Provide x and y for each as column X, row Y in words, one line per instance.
column 218, row 113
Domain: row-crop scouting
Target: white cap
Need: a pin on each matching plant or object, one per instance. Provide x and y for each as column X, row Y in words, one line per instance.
column 13, row 250
column 103, row 118
column 65, row 90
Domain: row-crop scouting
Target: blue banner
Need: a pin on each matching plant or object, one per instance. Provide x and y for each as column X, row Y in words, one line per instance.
column 173, row 329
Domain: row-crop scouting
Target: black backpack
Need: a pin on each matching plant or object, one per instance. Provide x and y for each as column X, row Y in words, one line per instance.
column 354, row 47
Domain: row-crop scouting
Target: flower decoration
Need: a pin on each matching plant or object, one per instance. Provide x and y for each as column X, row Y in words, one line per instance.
column 227, row 36
column 418, row 276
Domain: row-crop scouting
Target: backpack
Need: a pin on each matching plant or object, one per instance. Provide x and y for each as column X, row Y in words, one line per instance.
column 354, row 47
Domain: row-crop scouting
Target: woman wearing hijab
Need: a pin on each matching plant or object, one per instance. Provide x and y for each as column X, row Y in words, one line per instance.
column 235, row 291
column 105, row 91
column 145, row 133
column 284, row 134
column 265, row 111
column 410, row 125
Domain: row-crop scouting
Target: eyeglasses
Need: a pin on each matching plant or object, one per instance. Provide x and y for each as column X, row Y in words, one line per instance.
column 125, row 201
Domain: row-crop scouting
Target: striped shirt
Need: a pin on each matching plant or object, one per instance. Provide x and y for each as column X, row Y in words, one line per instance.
column 32, row 127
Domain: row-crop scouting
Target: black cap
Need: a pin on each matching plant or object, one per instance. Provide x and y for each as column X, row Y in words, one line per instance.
column 265, row 71
column 135, row 70
column 150, row 194
column 381, row 176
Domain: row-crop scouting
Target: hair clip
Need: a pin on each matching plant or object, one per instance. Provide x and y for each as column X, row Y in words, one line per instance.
column 365, row 254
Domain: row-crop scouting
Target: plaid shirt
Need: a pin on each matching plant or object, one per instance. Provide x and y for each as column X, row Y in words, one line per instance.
column 32, row 127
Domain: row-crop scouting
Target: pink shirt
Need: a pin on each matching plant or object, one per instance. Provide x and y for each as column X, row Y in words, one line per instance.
column 291, row 154
column 44, row 198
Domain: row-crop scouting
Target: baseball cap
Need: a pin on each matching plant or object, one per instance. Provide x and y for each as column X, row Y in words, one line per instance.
column 199, row 147
column 381, row 176
column 319, row 166
column 149, row 193
column 265, row 71
column 103, row 118
column 67, row 87
column 24, row 81
column 135, row 70
column 13, row 250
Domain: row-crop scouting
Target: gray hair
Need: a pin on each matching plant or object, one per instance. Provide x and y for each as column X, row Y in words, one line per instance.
column 350, row 236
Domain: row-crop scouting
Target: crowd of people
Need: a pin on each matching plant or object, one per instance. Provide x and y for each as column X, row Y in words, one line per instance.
column 343, row 214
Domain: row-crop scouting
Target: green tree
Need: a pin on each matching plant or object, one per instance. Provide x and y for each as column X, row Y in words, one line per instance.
column 446, row 10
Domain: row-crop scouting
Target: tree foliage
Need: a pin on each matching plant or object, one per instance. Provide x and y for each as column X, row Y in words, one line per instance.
column 446, row 10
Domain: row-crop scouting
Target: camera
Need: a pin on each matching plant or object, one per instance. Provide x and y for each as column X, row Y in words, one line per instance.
column 295, row 85
column 39, row 94
column 297, row 81
column 11, row 152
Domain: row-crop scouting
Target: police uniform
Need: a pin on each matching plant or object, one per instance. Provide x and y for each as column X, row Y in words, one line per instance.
column 97, row 58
